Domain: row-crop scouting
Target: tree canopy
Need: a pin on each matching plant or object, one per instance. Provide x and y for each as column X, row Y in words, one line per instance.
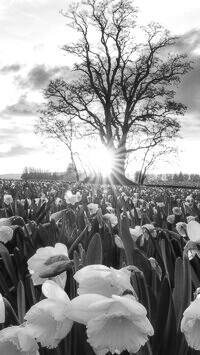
column 125, row 78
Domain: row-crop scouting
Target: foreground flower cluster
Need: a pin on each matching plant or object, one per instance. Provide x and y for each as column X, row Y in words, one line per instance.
column 114, row 318
column 90, row 270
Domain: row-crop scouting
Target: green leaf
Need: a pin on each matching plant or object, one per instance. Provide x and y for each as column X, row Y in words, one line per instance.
column 30, row 290
column 143, row 292
column 128, row 242
column 8, row 264
column 141, row 261
column 161, row 317
column 170, row 336
column 19, row 263
column 42, row 236
column 153, row 306
column 11, row 317
column 178, row 290
column 76, row 260
column 187, row 281
column 94, row 250
column 5, row 289
column 77, row 241
column 21, row 303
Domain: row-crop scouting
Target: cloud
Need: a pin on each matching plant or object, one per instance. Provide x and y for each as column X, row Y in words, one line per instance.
column 22, row 107
column 6, row 69
column 39, row 76
column 189, row 90
column 189, row 41
column 17, row 150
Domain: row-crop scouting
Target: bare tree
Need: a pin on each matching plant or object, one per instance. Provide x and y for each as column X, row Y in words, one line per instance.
column 65, row 131
column 152, row 157
column 123, row 88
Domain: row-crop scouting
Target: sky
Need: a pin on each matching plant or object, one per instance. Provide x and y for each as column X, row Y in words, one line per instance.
column 32, row 34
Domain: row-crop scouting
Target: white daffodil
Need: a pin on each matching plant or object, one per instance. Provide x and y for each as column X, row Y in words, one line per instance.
column 2, row 310
column 177, row 211
column 149, row 228
column 23, row 200
column 113, row 324
column 7, row 199
column 190, row 324
column 92, row 208
column 6, row 234
column 17, row 340
column 181, row 228
column 58, row 201
column 193, row 231
column 160, row 204
column 72, row 199
column 111, row 218
column 103, row 280
column 137, row 211
column 44, row 257
column 171, row 218
column 191, row 218
column 47, row 320
column 118, row 242
column 6, row 221
column 136, row 232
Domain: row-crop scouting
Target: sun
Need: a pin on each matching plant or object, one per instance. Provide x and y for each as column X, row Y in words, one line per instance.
column 101, row 161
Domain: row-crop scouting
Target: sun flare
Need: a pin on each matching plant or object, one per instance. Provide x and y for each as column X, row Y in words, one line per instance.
column 101, row 161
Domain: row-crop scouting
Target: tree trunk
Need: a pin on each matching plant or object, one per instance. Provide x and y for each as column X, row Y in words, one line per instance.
column 117, row 176
column 75, row 167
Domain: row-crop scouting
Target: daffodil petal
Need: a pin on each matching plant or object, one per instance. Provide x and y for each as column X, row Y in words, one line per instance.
column 61, row 249
column 80, row 310
column 2, row 310
column 89, row 270
column 193, row 231
column 53, row 291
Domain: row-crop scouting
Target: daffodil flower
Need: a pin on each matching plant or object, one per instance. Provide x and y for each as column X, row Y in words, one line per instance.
column 136, row 232
column 192, row 247
column 7, row 199
column 6, row 221
column 72, row 199
column 6, row 234
column 149, row 228
column 92, row 208
column 2, row 310
column 190, row 324
column 40, row 261
column 111, row 218
column 47, row 320
column 17, row 340
column 103, row 280
column 193, row 231
column 177, row 211
column 181, row 228
column 113, row 324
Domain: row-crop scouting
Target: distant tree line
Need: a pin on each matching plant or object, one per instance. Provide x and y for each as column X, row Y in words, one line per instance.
column 174, row 178
column 39, row 174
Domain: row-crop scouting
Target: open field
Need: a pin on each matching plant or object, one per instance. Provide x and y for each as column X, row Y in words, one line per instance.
column 90, row 269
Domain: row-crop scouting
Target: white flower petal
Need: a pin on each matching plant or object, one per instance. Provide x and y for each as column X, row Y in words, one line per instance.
column 17, row 340
column 61, row 249
column 116, row 332
column 190, row 324
column 48, row 322
column 2, row 310
column 193, row 231
column 53, row 291
column 80, row 310
column 102, row 280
